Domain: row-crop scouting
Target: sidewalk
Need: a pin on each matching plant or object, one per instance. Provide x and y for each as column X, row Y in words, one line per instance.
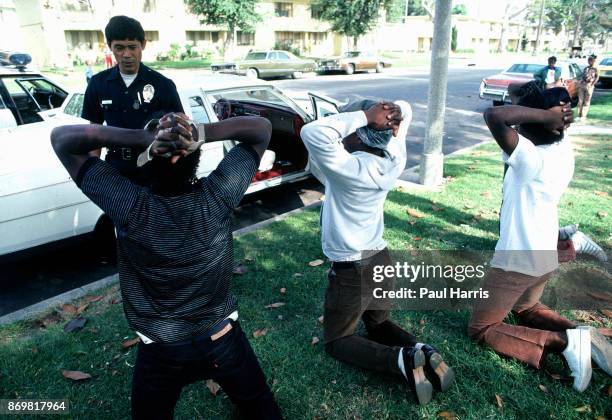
column 306, row 382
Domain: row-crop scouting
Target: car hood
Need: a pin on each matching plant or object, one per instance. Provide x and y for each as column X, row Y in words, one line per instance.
column 504, row 79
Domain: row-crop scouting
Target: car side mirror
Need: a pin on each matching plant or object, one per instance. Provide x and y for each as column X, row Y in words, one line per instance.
column 7, row 119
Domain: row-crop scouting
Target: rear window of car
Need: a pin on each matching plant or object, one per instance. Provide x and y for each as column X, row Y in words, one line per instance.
column 525, row 68
column 75, row 105
column 606, row 62
column 256, row 56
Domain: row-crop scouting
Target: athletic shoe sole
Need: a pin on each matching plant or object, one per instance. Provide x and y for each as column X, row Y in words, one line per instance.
column 422, row 387
column 444, row 373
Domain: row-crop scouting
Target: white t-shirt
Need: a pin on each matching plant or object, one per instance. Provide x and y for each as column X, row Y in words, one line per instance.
column 536, row 178
column 550, row 76
column 128, row 78
column 356, row 184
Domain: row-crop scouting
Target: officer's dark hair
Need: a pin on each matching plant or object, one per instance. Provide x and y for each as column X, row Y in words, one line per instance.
column 529, row 95
column 120, row 28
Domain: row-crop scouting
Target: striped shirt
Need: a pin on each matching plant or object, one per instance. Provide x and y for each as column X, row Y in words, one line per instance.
column 175, row 254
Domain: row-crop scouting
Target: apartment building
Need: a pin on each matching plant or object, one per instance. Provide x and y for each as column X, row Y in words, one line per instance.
column 57, row 31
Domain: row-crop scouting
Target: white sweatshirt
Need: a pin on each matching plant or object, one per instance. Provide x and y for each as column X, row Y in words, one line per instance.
column 356, row 185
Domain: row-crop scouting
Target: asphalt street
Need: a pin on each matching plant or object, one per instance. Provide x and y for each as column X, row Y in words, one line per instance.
column 34, row 278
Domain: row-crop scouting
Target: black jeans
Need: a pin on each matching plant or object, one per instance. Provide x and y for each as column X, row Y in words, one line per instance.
column 162, row 370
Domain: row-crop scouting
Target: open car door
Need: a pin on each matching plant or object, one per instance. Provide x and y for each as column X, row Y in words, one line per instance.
column 322, row 105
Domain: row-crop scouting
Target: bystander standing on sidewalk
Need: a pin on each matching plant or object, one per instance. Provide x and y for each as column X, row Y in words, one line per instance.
column 590, row 77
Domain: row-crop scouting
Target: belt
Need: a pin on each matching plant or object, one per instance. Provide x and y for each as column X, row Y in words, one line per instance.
column 356, row 263
column 201, row 337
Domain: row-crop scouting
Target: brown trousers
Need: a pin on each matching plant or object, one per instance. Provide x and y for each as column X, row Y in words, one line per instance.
column 585, row 92
column 346, row 301
column 519, row 293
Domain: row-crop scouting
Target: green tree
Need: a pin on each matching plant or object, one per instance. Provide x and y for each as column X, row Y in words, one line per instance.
column 233, row 14
column 459, row 9
column 352, row 19
column 454, row 38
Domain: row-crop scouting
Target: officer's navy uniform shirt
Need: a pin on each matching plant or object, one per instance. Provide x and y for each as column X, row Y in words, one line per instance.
column 108, row 99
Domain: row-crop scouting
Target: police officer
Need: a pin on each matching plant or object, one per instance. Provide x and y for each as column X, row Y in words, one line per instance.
column 129, row 94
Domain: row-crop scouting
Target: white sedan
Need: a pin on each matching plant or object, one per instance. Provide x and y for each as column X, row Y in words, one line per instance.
column 40, row 204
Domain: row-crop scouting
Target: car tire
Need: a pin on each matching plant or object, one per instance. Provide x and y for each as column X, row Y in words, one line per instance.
column 350, row 69
column 498, row 103
column 297, row 75
column 379, row 67
column 252, row 73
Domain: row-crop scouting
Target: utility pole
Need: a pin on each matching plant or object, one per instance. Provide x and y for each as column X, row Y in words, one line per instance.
column 537, row 43
column 432, row 159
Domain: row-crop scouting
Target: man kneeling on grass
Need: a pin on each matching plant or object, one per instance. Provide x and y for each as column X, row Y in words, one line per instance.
column 358, row 155
column 540, row 166
column 176, row 256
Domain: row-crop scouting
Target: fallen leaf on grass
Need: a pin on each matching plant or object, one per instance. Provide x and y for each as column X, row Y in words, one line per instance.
column 602, row 214
column 259, row 333
column 601, row 193
column 316, row 263
column 75, row 325
column 82, row 309
column 69, row 308
column 212, row 386
column 583, row 409
column 468, row 206
column 435, row 208
column 606, row 312
column 320, row 319
column 600, row 296
column 500, row 402
column 240, row 270
column 298, row 275
column 471, row 168
column 543, row 388
column 280, row 317
column 417, row 238
column 314, row 341
column 91, row 299
column 412, row 222
column 414, row 213
column 283, row 290
column 486, row 194
column 448, row 415
column 75, row 375
column 558, row 377
column 129, row 343
column 115, row 301
column 275, row 305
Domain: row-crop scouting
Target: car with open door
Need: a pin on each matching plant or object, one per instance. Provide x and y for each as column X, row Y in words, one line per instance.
column 40, row 204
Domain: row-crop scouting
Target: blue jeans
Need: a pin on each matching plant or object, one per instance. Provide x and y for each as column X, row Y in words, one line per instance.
column 162, row 370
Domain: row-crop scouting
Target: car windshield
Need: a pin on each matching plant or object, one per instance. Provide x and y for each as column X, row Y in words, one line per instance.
column 606, row 62
column 256, row 56
column 351, row 54
column 525, row 68
column 262, row 95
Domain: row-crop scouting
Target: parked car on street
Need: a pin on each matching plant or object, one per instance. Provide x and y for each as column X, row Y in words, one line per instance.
column 40, row 204
column 495, row 88
column 353, row 61
column 264, row 64
column 605, row 71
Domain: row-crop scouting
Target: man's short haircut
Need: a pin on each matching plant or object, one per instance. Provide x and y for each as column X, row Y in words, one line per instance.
column 552, row 58
column 120, row 28
column 531, row 96
column 368, row 136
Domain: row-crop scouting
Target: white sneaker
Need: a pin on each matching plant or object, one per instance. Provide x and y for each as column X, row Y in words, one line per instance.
column 585, row 245
column 578, row 356
column 601, row 349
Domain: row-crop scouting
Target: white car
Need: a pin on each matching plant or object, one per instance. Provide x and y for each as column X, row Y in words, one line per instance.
column 40, row 204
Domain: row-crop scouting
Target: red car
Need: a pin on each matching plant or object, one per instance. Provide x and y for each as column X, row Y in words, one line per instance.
column 495, row 88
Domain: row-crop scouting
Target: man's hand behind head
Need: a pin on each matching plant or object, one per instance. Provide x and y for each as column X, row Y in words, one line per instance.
column 384, row 116
column 560, row 118
column 173, row 136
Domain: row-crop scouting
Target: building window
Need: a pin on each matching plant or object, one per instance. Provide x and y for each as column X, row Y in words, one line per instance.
column 75, row 6
column 149, row 6
column 283, row 9
column 245, row 38
column 202, row 37
column 84, row 39
column 317, row 38
column 316, row 12
column 151, row 36
column 285, row 37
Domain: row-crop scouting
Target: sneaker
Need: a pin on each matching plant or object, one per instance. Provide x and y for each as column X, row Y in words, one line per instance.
column 566, row 232
column 578, row 356
column 411, row 362
column 442, row 376
column 601, row 349
column 585, row 245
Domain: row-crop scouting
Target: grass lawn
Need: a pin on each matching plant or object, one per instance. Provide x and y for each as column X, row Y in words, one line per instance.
column 182, row 64
column 601, row 108
column 306, row 382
